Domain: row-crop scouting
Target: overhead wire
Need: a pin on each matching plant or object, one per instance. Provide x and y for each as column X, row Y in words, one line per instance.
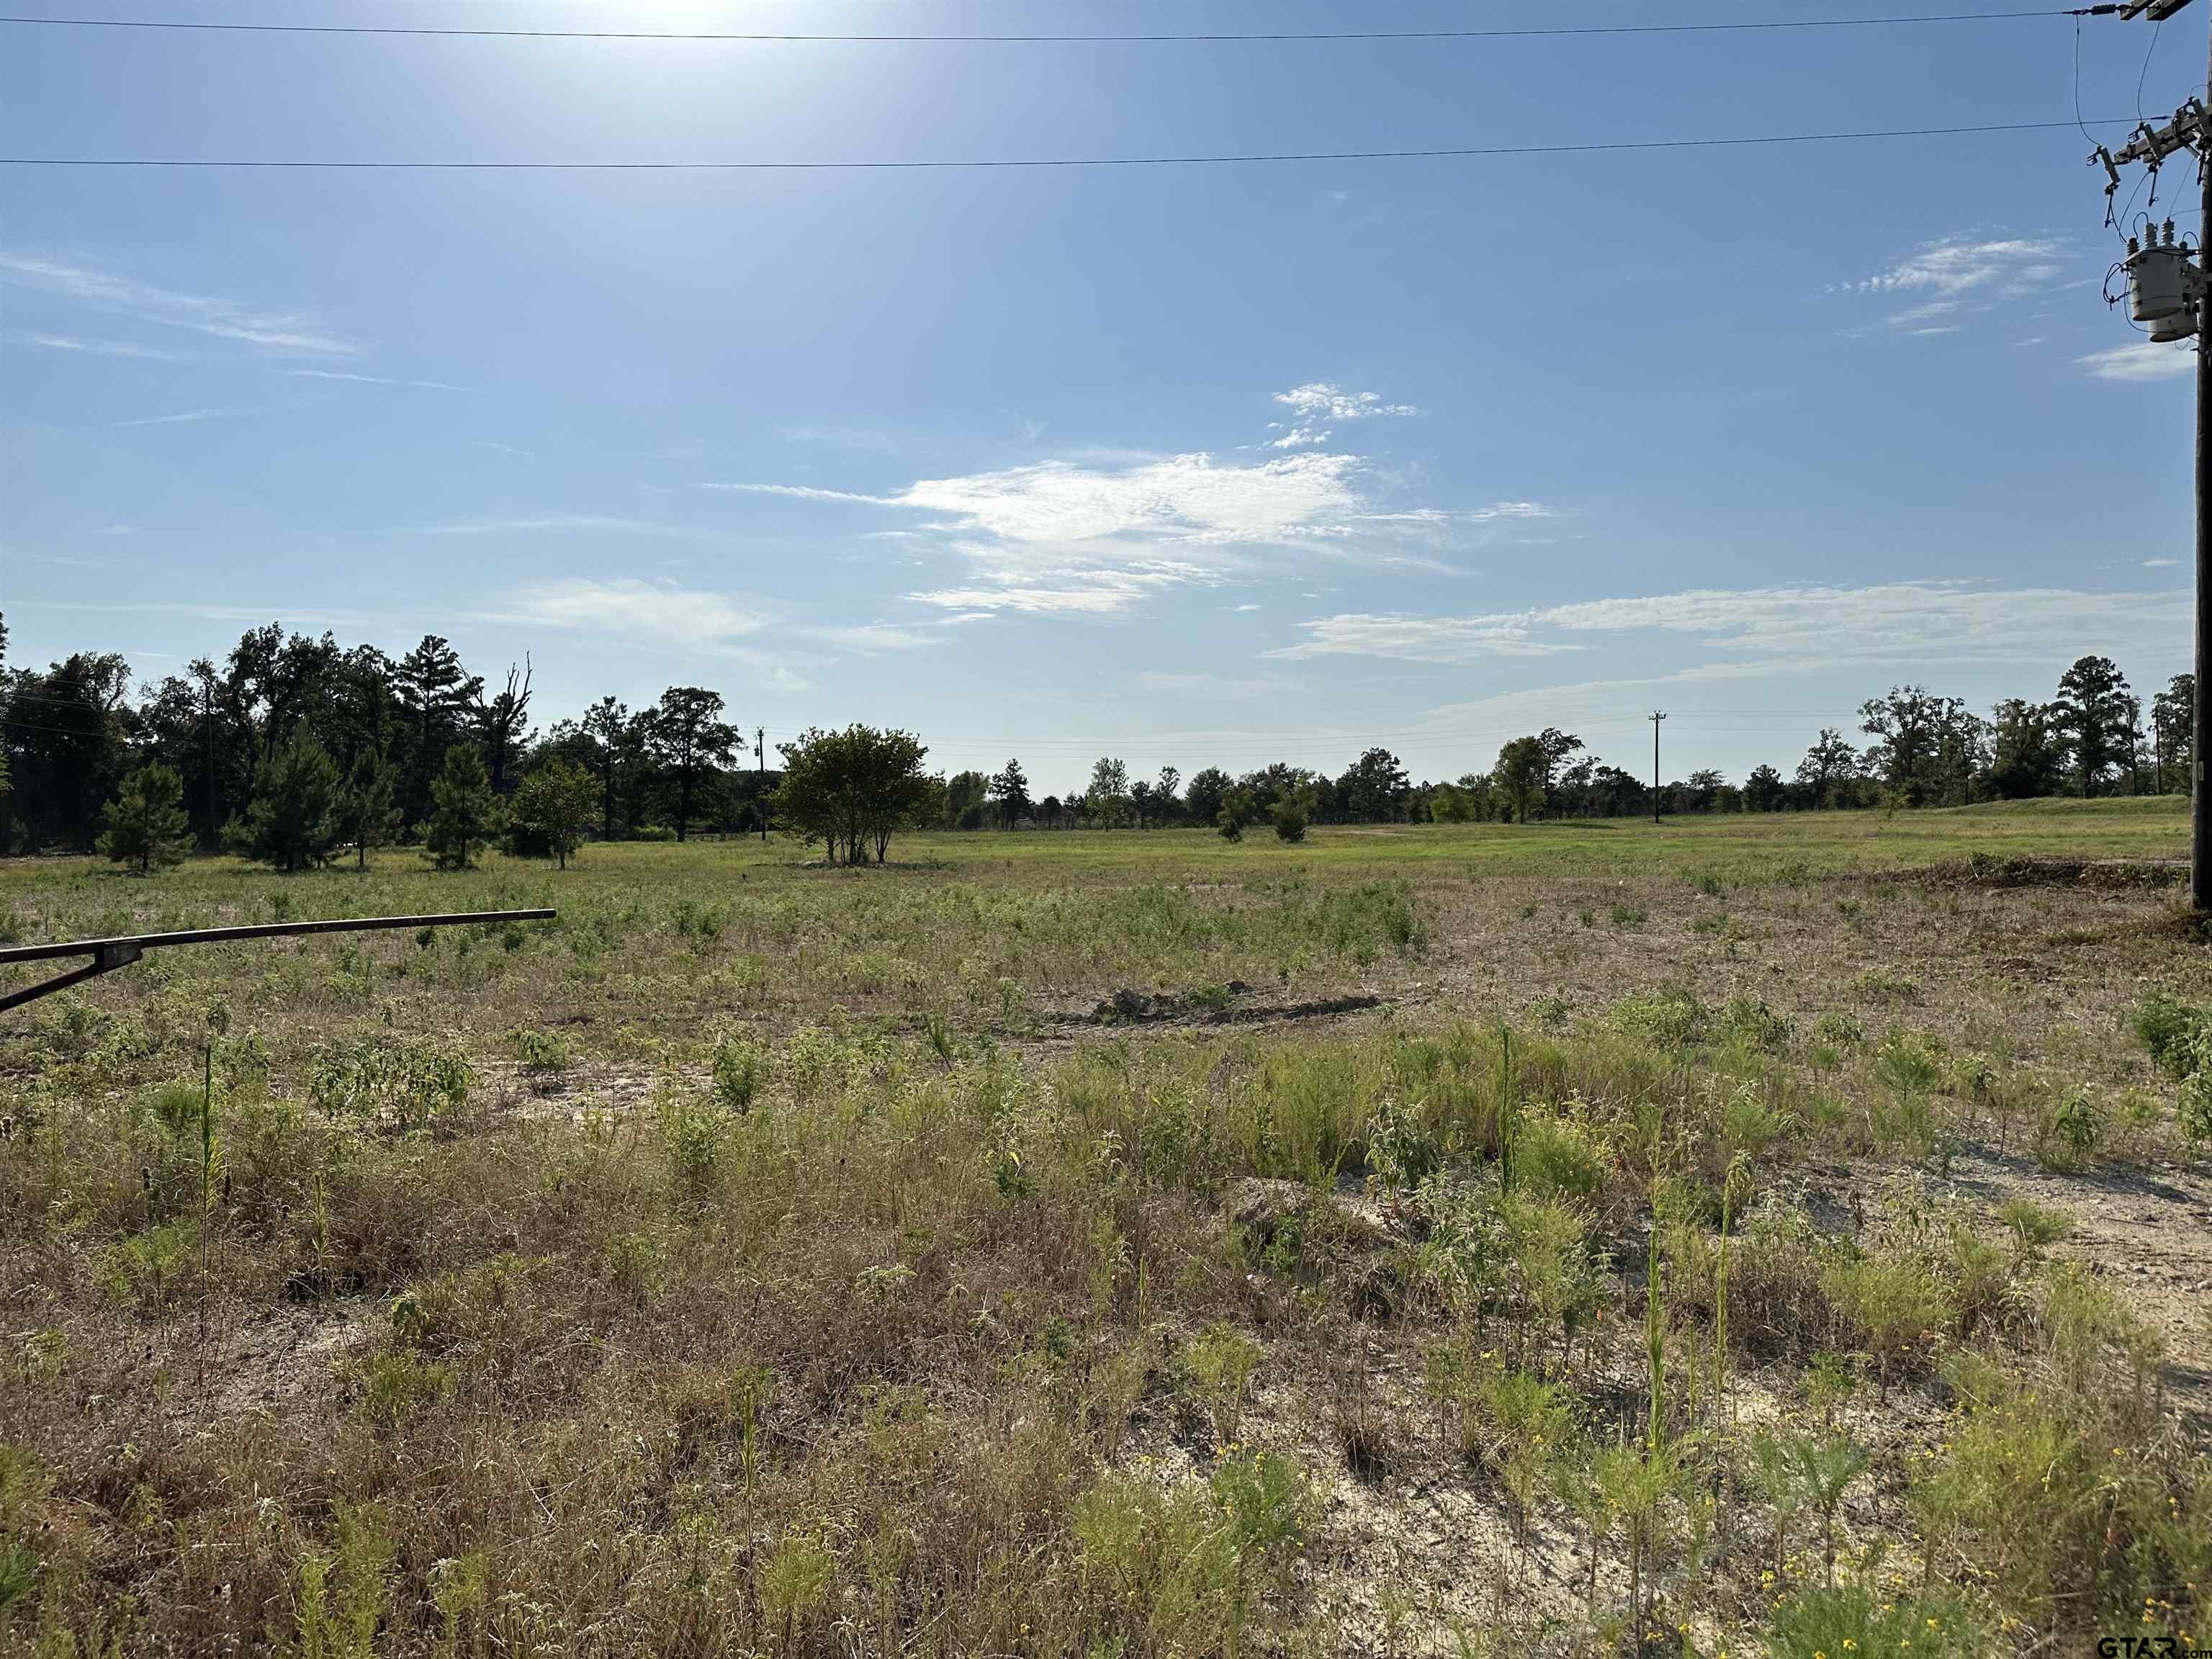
column 1199, row 38
column 955, row 163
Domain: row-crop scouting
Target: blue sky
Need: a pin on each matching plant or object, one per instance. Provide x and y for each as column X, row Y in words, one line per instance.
column 1186, row 465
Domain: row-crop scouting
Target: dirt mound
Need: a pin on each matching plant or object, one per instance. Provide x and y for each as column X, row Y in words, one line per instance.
column 1129, row 1006
column 1984, row 870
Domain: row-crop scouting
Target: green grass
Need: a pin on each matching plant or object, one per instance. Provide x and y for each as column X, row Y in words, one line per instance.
column 770, row 1259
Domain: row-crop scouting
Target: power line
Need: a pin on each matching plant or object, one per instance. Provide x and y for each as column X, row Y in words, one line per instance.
column 1457, row 152
column 1221, row 38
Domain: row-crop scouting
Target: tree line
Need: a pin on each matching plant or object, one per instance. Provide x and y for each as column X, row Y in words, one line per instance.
column 295, row 751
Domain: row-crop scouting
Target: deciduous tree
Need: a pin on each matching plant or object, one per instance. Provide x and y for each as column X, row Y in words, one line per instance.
column 851, row 789
column 551, row 807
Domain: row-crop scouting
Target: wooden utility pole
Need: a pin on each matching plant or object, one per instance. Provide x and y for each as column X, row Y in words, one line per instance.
column 760, row 781
column 2191, row 129
column 2200, row 808
column 1656, row 717
column 207, row 753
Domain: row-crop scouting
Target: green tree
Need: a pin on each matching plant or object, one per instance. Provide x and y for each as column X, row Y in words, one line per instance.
column 1107, row 798
column 1519, row 775
column 1202, row 800
column 2173, row 717
column 687, row 734
column 367, row 816
column 292, row 821
column 1373, row 789
column 550, row 812
column 2096, row 713
column 1011, row 790
column 608, row 726
column 463, row 812
column 146, row 825
column 1764, row 790
column 2028, row 757
column 1829, row 765
column 965, row 794
column 851, row 789
column 1238, row 809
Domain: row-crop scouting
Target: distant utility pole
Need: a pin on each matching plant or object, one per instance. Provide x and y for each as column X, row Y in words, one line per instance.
column 1656, row 717
column 760, row 780
column 2167, row 290
column 214, row 836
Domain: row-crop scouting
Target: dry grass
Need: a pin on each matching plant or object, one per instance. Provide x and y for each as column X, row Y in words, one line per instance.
column 767, row 1258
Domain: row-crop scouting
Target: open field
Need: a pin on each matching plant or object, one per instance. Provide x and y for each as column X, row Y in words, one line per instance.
column 1748, row 1235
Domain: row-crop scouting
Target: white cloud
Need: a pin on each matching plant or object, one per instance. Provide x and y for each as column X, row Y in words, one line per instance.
column 2160, row 564
column 285, row 333
column 104, row 348
column 1097, row 535
column 372, row 379
column 873, row 639
column 1420, row 638
column 1077, row 593
column 2143, row 361
column 805, row 493
column 1959, row 274
column 642, row 610
column 1318, row 402
column 1758, row 629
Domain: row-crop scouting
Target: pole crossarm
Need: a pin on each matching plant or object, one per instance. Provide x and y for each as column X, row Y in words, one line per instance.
column 107, row 955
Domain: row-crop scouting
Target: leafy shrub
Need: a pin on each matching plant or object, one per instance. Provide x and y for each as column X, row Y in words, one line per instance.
column 418, row 1079
column 1221, row 1360
column 740, row 1063
column 654, row 832
column 1290, row 823
column 2173, row 1032
column 1896, row 1304
column 1184, row 1568
column 1855, row 1621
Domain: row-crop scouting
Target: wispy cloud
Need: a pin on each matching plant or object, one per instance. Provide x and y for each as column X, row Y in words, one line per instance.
column 181, row 417
column 1420, row 638
column 1317, row 408
column 1959, row 275
column 2145, row 359
column 372, row 380
column 644, row 611
column 1917, row 622
column 2160, row 564
column 1098, row 534
column 284, row 333
column 562, row 524
column 104, row 348
column 805, row 493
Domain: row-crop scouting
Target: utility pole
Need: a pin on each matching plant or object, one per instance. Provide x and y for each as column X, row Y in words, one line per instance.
column 207, row 753
column 1656, row 717
column 760, row 781
column 2168, row 292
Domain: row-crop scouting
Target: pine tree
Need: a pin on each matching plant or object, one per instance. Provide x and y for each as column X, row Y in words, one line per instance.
column 463, row 814
column 366, row 815
column 293, row 822
column 145, row 824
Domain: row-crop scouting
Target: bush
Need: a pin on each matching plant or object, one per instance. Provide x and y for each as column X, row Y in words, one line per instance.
column 1290, row 823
